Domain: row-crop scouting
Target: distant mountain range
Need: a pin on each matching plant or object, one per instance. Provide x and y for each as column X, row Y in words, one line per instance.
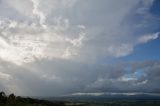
column 103, row 98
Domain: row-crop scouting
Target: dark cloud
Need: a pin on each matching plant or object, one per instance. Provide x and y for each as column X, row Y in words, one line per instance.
column 59, row 77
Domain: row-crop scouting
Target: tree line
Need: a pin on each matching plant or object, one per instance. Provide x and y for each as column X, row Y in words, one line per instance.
column 12, row 100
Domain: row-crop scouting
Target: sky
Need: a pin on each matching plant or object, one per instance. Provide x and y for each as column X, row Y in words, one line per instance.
column 79, row 47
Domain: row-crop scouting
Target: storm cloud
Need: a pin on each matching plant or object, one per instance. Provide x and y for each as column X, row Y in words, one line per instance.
column 64, row 47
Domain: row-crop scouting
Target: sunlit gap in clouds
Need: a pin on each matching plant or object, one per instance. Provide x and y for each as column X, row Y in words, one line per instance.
column 23, row 42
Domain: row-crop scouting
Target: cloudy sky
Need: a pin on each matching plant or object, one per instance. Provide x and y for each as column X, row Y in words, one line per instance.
column 72, row 47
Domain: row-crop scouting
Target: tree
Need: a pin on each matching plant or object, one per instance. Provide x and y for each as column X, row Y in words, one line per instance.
column 3, row 97
column 2, row 94
column 11, row 100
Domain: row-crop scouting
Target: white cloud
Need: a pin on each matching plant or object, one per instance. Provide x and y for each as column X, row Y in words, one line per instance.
column 39, row 14
column 126, row 79
column 146, row 38
column 88, row 94
column 106, row 38
column 142, row 83
column 120, row 50
column 30, row 42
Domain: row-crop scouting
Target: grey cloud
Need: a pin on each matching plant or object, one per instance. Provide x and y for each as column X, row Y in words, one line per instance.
column 63, row 58
column 60, row 77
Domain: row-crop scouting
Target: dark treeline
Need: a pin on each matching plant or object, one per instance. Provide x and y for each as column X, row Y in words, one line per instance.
column 13, row 100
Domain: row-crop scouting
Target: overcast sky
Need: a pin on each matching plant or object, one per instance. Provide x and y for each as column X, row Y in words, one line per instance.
column 72, row 47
